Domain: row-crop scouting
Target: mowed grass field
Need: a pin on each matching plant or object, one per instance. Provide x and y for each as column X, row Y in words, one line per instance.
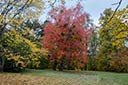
column 49, row 77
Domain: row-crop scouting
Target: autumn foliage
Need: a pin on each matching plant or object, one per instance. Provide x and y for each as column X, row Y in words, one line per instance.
column 65, row 37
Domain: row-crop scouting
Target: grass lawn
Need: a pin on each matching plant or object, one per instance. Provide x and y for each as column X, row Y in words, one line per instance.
column 49, row 77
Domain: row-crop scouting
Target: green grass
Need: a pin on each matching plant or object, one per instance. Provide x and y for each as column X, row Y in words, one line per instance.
column 49, row 77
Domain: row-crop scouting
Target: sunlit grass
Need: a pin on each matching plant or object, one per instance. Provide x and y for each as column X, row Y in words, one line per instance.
column 49, row 77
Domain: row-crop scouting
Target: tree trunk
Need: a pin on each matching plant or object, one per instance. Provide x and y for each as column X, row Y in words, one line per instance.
column 2, row 27
column 2, row 59
column 61, row 66
column 2, row 63
column 54, row 65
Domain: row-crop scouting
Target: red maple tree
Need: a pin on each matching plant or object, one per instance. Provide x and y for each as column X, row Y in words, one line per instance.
column 65, row 37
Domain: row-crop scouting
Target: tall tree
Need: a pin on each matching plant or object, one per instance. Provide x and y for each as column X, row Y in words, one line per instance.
column 12, row 14
column 112, row 37
column 66, row 38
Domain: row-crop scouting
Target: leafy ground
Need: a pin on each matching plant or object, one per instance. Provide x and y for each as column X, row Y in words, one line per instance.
column 48, row 77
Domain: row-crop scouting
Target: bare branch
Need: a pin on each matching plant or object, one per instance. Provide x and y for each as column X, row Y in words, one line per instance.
column 113, row 13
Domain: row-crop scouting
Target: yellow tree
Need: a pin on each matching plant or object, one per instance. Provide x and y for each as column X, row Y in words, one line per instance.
column 116, row 31
column 12, row 14
column 112, row 36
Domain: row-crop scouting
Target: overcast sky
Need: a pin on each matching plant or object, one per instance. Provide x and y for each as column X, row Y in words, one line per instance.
column 93, row 7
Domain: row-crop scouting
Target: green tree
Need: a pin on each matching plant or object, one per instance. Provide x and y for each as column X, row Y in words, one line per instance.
column 92, row 50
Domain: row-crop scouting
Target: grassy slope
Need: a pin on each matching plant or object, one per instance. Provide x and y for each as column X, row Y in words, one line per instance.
column 48, row 77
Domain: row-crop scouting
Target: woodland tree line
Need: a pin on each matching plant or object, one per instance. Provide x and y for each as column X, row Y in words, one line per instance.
column 67, row 40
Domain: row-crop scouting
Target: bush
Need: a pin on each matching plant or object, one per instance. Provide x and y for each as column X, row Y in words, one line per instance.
column 11, row 66
column 116, row 61
column 102, row 63
column 119, row 60
column 91, row 63
column 43, row 62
